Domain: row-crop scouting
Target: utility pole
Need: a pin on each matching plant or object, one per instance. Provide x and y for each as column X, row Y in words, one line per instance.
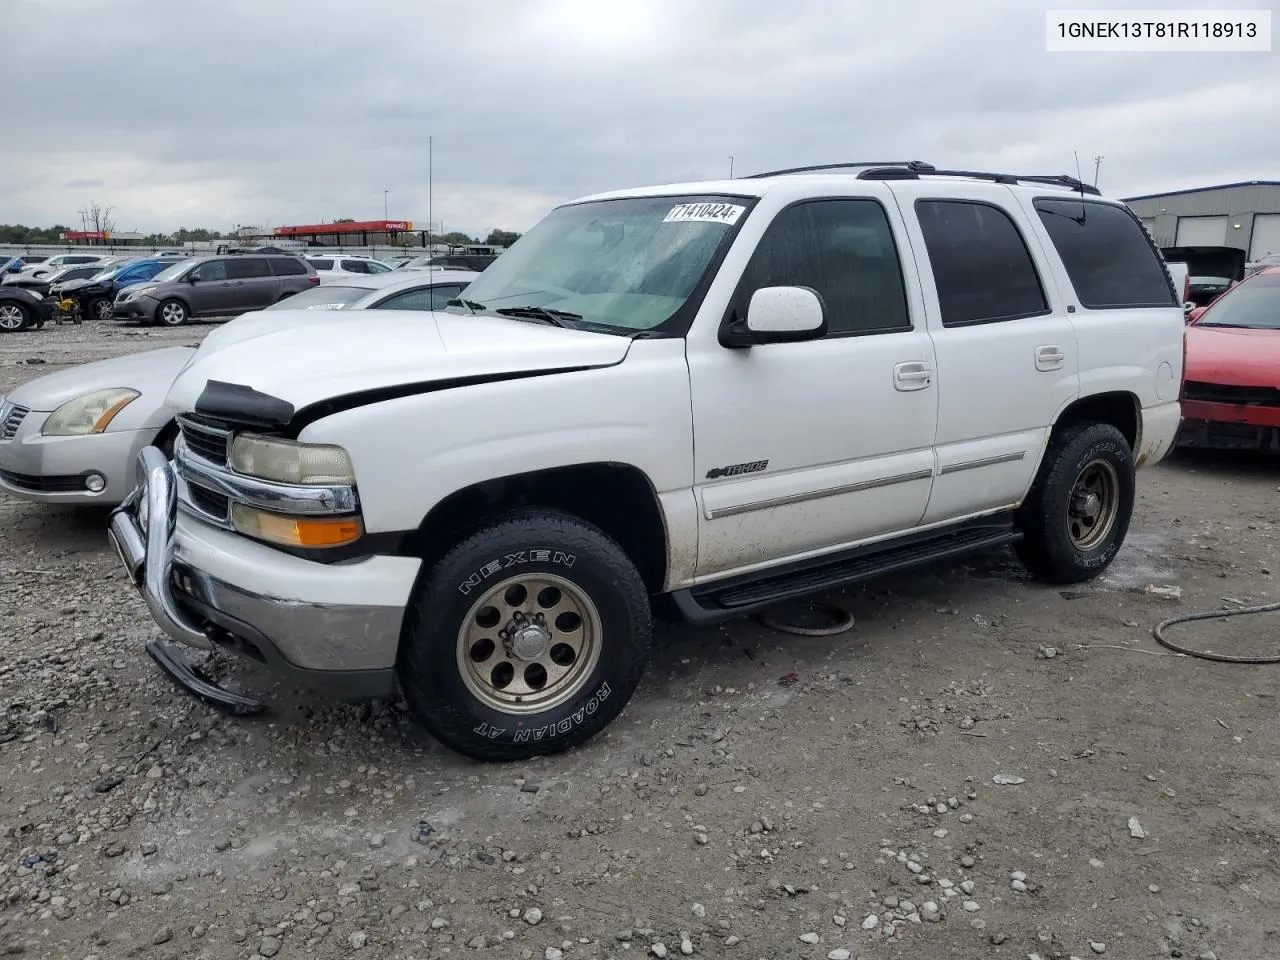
column 430, row 210
column 731, row 168
column 385, row 215
column 1097, row 164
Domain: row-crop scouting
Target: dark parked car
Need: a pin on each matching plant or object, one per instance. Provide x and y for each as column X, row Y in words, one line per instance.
column 21, row 308
column 93, row 296
column 1214, row 270
column 41, row 285
column 213, row 287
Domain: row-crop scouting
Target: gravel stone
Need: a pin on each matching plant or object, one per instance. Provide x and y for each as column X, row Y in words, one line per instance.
column 839, row 953
column 810, row 938
column 163, row 935
column 270, row 947
column 533, row 916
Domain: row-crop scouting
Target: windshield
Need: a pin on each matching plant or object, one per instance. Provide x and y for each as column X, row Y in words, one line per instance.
column 172, row 273
column 1254, row 305
column 628, row 264
column 324, row 297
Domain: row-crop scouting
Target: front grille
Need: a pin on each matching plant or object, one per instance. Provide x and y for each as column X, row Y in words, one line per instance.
column 24, row 481
column 1224, row 393
column 206, row 442
column 210, row 501
column 11, row 417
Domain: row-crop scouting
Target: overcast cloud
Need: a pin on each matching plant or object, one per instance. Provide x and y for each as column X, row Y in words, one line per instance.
column 269, row 112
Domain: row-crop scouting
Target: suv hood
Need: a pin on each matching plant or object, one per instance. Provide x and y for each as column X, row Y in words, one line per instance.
column 1227, row 262
column 305, row 356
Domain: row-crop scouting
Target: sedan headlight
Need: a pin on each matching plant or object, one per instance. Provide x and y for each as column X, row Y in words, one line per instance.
column 88, row 414
column 140, row 292
column 287, row 461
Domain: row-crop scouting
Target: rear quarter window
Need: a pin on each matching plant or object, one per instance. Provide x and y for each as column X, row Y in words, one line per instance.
column 1108, row 255
column 321, row 263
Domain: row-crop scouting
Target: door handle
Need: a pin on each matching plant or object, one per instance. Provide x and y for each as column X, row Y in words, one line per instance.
column 912, row 375
column 1050, row 357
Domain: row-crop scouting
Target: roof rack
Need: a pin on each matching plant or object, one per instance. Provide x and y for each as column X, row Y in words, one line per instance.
column 838, row 166
column 915, row 169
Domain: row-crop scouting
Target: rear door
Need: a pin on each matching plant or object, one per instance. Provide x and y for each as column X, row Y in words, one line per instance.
column 1005, row 347
column 254, row 285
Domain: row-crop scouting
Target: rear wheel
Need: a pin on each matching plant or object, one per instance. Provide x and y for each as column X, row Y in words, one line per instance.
column 1079, row 510
column 14, row 317
column 529, row 638
column 99, row 308
column 172, row 313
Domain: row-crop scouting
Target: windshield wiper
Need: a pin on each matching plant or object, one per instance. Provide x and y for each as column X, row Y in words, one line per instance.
column 556, row 318
column 471, row 305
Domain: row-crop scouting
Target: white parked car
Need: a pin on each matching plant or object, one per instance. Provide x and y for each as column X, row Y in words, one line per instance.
column 46, row 268
column 344, row 265
column 73, row 437
column 732, row 393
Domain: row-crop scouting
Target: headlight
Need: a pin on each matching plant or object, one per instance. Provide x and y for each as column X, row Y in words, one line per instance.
column 140, row 292
column 88, row 414
column 286, row 461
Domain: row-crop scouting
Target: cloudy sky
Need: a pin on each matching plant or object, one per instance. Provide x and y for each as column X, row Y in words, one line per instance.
column 270, row 112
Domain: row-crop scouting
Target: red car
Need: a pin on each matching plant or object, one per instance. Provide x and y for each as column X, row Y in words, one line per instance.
column 1231, row 387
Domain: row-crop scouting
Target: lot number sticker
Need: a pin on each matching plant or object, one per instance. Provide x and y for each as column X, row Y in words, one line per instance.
column 726, row 213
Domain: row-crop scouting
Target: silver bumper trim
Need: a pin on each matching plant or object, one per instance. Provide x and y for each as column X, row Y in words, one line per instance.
column 148, row 555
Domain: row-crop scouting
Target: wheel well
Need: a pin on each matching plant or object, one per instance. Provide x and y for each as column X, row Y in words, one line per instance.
column 1120, row 409
column 615, row 497
column 165, row 434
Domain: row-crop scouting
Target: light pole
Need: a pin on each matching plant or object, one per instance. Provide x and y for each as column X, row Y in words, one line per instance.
column 385, row 215
column 430, row 211
column 1097, row 162
column 731, row 168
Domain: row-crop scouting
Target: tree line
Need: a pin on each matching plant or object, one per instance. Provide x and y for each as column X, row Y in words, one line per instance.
column 16, row 233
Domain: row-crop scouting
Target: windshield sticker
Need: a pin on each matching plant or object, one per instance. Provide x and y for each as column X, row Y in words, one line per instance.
column 726, row 213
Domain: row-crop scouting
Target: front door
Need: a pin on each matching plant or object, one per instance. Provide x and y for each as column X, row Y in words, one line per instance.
column 1006, row 349
column 801, row 448
column 212, row 294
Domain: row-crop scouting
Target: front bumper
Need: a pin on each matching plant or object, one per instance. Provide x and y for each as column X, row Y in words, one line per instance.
column 335, row 627
column 143, row 308
column 57, row 469
column 1229, row 426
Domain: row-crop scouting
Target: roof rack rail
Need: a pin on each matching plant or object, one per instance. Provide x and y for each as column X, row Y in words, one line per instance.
column 899, row 172
column 912, row 164
column 915, row 169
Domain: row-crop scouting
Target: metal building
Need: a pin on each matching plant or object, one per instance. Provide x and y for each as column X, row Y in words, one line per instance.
column 1245, row 215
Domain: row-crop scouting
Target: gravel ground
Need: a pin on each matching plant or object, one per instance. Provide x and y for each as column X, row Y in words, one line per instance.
column 981, row 767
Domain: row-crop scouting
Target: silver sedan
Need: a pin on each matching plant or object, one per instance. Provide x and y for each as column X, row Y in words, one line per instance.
column 73, row 437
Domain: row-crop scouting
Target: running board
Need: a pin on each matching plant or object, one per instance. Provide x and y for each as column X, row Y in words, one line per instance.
column 742, row 596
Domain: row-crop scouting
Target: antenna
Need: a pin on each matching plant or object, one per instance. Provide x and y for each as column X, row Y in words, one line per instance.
column 1083, row 207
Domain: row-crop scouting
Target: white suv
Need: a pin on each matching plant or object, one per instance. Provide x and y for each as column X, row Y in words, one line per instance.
column 730, row 393
column 346, row 265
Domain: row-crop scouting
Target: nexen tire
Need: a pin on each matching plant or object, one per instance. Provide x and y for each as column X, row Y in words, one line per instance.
column 453, row 658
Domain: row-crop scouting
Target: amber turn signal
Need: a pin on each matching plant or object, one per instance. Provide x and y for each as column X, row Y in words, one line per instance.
column 292, row 531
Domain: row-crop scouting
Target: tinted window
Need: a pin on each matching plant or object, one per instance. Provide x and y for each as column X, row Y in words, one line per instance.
column 321, row 263
column 247, row 268
column 432, row 298
column 1108, row 255
column 844, row 250
column 288, row 266
column 981, row 265
column 76, row 259
column 376, row 267
column 212, row 270
column 355, row 266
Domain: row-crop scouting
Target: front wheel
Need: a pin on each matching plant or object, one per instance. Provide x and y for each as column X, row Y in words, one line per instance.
column 172, row 313
column 99, row 308
column 14, row 317
column 1078, row 513
column 527, row 639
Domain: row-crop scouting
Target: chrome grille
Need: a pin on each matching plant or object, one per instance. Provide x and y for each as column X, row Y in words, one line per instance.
column 206, row 442
column 11, row 417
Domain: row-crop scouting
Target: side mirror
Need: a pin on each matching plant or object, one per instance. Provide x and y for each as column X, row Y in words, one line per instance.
column 192, row 278
column 1194, row 313
column 779, row 315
